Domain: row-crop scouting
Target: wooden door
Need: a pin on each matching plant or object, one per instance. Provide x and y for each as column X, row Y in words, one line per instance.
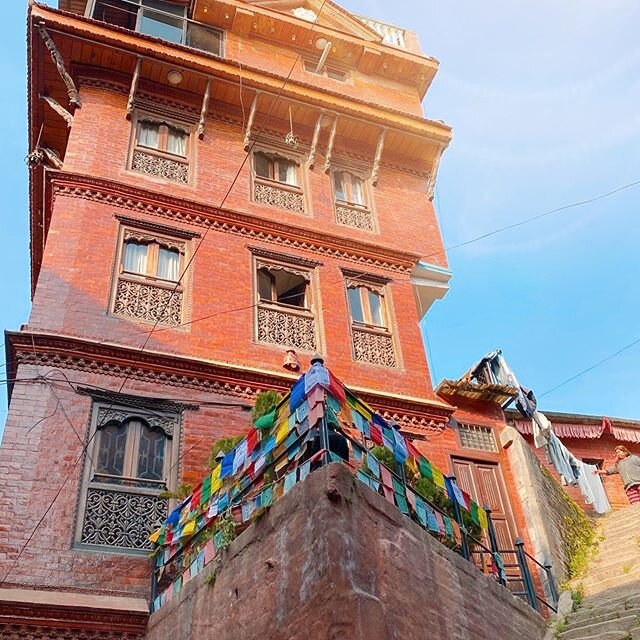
column 484, row 483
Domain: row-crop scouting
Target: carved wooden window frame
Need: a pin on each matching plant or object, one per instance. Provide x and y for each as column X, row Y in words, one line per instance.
column 368, row 192
column 157, row 237
column 478, row 437
column 380, row 286
column 103, row 414
column 299, row 266
column 144, row 115
column 300, row 189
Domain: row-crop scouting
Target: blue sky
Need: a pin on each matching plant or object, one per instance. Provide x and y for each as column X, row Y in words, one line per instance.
column 543, row 98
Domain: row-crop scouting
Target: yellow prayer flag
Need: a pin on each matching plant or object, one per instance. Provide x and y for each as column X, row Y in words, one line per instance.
column 155, row 535
column 438, row 478
column 482, row 516
column 282, row 432
column 215, row 486
column 189, row 529
column 215, row 475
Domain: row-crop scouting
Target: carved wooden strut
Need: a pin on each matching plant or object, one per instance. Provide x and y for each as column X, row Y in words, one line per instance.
column 204, row 110
column 134, row 87
column 252, row 115
column 377, row 158
column 314, row 141
column 332, row 137
column 74, row 94
column 59, row 109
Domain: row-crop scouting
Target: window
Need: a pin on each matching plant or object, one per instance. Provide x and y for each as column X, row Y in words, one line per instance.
column 282, row 287
column 284, row 310
column 160, row 19
column 276, row 168
column 130, row 461
column 277, row 182
column 351, row 196
column 160, row 148
column 150, row 258
column 326, row 71
column 366, row 306
column 477, row 437
column 349, row 188
column 370, row 327
column 148, row 282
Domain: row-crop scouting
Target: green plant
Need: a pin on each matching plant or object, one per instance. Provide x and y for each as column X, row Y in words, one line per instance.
column 577, row 595
column 266, row 402
column 223, row 445
column 626, row 569
column 227, row 530
column 180, row 493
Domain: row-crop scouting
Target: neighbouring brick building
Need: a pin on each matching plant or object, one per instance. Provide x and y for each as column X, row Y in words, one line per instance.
column 212, row 183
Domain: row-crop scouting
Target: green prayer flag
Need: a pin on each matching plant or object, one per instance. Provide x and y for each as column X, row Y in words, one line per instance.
column 205, row 493
column 473, row 508
column 266, row 421
column 398, row 487
column 425, row 468
column 401, row 501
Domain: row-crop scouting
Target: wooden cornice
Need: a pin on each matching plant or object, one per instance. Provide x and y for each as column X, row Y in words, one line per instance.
column 175, row 370
column 179, row 210
column 211, row 66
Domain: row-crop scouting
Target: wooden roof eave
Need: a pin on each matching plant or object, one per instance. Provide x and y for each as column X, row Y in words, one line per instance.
column 209, row 65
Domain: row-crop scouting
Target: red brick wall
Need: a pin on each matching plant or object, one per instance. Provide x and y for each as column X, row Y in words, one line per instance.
column 598, row 448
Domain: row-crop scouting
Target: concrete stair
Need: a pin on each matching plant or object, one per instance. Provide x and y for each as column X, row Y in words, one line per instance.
column 610, row 609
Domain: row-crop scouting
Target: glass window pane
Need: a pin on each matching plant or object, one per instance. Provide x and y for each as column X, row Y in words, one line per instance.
column 338, row 182
column 199, row 37
column 263, row 165
column 291, row 288
column 375, row 304
column 113, row 441
column 357, row 190
column 177, row 142
column 287, row 172
column 355, row 304
column 135, row 257
column 159, row 24
column 168, row 264
column 151, row 454
column 149, row 134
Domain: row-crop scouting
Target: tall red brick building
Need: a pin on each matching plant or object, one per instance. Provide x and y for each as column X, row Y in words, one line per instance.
column 212, row 184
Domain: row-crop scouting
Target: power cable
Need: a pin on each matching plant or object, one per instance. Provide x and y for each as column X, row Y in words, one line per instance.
column 591, row 368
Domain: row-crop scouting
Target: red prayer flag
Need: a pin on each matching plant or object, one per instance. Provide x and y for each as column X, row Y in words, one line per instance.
column 376, row 433
column 388, row 493
column 336, row 389
column 413, row 452
column 386, row 476
column 195, row 498
column 252, row 441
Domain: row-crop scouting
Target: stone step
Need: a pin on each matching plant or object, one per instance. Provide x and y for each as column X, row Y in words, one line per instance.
column 613, row 546
column 614, row 567
column 623, row 597
column 597, row 586
column 606, row 629
column 585, row 617
column 626, row 528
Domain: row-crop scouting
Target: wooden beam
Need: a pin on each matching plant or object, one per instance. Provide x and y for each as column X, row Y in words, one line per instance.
column 204, row 110
column 59, row 109
column 134, row 87
column 74, row 95
column 314, row 141
column 332, row 137
column 431, row 183
column 377, row 158
column 252, row 116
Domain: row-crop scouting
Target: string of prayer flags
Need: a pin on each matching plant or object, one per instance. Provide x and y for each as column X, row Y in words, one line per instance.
column 483, row 519
column 401, row 501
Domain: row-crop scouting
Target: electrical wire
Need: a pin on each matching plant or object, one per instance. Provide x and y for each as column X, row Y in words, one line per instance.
column 591, row 368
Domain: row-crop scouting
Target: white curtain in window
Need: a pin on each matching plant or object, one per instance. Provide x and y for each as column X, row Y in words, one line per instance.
column 149, row 135
column 339, row 186
column 135, row 257
column 177, row 142
column 358, row 191
column 288, row 172
column 168, row 264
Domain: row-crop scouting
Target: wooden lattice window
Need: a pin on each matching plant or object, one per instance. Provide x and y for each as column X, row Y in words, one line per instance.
column 474, row 436
column 352, row 201
column 149, row 282
column 370, row 326
column 284, row 310
column 277, row 181
column 161, row 148
column 131, row 460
